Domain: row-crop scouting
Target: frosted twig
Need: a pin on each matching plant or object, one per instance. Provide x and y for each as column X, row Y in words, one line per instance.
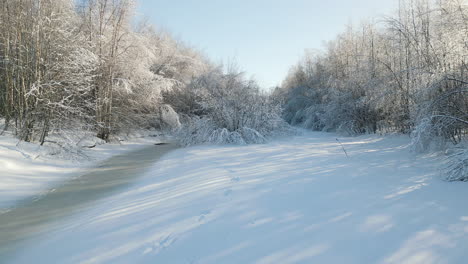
column 344, row 150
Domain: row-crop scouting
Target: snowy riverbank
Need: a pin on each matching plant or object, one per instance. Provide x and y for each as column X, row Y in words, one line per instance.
column 297, row 200
column 28, row 169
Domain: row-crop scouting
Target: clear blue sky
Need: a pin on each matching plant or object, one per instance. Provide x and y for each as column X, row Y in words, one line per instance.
column 264, row 37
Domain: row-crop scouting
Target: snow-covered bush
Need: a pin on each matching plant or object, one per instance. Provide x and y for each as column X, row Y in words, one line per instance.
column 427, row 136
column 442, row 117
column 422, row 135
column 225, row 108
column 204, row 130
column 457, row 166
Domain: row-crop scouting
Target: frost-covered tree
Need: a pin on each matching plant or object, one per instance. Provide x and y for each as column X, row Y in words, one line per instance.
column 45, row 72
column 82, row 65
column 154, row 64
column 107, row 25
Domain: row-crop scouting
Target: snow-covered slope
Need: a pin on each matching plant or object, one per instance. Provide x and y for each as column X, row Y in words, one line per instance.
column 299, row 200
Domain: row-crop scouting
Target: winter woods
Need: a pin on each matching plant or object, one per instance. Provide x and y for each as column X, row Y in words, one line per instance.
column 407, row 73
column 82, row 65
column 403, row 73
column 86, row 65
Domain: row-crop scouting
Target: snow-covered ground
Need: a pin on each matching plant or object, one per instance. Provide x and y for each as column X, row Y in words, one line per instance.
column 298, row 200
column 28, row 169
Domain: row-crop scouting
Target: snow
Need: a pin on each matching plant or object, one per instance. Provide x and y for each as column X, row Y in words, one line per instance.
column 27, row 169
column 296, row 200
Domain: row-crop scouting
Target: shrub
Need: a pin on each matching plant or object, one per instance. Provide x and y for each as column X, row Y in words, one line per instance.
column 230, row 110
column 457, row 167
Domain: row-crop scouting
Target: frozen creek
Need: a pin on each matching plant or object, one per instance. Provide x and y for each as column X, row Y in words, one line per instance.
column 36, row 216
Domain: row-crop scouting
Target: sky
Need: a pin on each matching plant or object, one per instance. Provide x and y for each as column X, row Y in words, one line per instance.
column 264, row 38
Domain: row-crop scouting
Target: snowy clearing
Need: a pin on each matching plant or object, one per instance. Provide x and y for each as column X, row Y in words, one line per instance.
column 299, row 200
column 27, row 169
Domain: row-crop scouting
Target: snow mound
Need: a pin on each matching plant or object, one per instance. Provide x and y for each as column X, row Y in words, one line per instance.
column 169, row 117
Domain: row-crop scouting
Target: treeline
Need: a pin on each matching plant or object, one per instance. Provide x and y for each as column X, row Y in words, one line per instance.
column 406, row 73
column 68, row 64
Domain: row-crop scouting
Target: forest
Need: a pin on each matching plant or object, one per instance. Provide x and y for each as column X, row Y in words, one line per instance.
column 87, row 66
column 406, row 73
column 69, row 67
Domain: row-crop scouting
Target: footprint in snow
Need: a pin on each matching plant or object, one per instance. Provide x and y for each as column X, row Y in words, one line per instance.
column 235, row 179
column 156, row 247
column 227, row 192
column 203, row 215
